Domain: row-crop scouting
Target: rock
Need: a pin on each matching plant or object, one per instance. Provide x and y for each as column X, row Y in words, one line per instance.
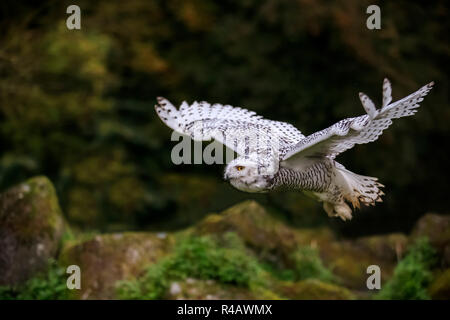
column 108, row 258
column 436, row 228
column 272, row 239
column 31, row 226
column 389, row 247
column 175, row 288
column 349, row 260
column 312, row 289
column 440, row 287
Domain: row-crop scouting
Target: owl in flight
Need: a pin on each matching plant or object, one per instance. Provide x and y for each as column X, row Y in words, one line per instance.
column 274, row 155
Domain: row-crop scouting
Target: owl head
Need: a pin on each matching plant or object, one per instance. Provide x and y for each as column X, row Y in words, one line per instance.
column 245, row 174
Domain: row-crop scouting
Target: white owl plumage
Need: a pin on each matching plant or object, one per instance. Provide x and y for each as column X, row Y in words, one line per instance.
column 274, row 154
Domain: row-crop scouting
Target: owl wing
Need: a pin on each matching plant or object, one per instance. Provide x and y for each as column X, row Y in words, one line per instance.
column 344, row 134
column 241, row 130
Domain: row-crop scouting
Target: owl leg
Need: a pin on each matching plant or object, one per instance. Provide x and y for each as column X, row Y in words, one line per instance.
column 329, row 209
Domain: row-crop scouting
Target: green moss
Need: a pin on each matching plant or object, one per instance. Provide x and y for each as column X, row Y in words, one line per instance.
column 308, row 264
column 44, row 286
column 224, row 260
column 412, row 275
column 68, row 236
column 152, row 285
column 279, row 273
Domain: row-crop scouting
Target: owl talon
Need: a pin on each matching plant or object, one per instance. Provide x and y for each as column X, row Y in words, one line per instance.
column 341, row 210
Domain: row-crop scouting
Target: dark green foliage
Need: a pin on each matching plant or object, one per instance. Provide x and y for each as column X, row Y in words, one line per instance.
column 412, row 275
column 278, row 273
column 45, row 286
column 308, row 264
column 224, row 260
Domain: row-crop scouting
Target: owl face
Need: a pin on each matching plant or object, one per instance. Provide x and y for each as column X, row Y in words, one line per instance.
column 243, row 175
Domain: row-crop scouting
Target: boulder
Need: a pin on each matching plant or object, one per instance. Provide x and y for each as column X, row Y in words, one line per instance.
column 31, row 226
column 436, row 228
column 270, row 237
column 349, row 259
column 389, row 247
column 312, row 289
column 275, row 241
column 106, row 259
column 347, row 262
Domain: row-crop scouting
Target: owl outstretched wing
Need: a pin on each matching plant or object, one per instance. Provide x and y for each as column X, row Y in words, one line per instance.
column 344, row 134
column 241, row 130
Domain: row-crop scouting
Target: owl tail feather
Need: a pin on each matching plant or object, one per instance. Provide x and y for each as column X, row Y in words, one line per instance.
column 361, row 189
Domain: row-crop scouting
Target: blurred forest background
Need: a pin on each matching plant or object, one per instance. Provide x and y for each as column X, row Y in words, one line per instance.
column 77, row 105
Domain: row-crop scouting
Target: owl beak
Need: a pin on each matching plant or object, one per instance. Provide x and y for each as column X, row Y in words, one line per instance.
column 226, row 177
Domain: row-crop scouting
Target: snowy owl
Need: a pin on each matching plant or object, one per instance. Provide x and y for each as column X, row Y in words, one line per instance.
column 274, row 155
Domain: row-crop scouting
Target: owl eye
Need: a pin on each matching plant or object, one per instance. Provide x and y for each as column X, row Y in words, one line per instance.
column 239, row 168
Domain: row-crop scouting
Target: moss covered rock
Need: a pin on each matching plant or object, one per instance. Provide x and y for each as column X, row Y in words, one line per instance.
column 389, row 247
column 440, row 287
column 261, row 231
column 349, row 259
column 276, row 242
column 312, row 289
column 31, row 226
column 436, row 228
column 108, row 258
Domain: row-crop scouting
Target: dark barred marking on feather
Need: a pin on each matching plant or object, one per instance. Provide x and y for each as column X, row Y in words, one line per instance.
column 316, row 178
